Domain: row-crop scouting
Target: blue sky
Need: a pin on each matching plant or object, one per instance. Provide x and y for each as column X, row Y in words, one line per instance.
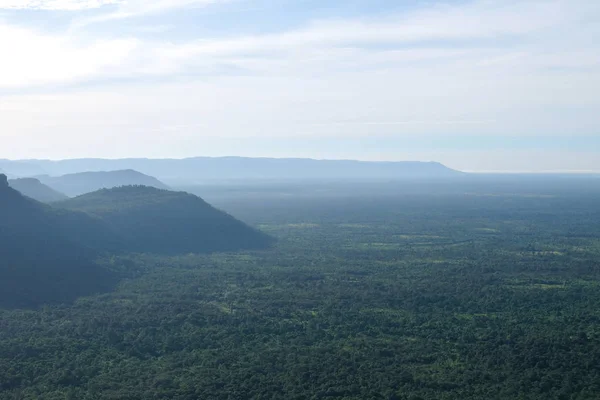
column 482, row 85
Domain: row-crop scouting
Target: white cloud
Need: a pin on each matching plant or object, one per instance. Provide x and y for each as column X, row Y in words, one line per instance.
column 32, row 59
column 70, row 5
column 441, row 36
column 125, row 8
column 137, row 8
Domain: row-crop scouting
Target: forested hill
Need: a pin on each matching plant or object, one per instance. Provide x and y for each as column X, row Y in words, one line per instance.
column 162, row 221
column 35, row 189
column 22, row 216
column 86, row 182
column 45, row 253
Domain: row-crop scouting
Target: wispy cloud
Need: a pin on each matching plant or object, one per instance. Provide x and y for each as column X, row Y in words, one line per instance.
column 136, row 8
column 428, row 34
column 120, row 8
column 549, row 36
column 69, row 5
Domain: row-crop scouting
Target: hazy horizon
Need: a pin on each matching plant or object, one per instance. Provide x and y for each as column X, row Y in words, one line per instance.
column 541, row 172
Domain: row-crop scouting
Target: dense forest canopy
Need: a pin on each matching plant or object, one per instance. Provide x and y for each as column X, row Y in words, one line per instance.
column 394, row 292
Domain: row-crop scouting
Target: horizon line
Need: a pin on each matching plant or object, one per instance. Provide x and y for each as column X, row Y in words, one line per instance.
column 467, row 171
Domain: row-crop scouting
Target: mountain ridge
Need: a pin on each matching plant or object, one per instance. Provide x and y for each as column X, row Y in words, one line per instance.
column 33, row 188
column 199, row 169
column 78, row 183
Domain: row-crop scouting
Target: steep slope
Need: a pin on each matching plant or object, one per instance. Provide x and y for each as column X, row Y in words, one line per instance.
column 162, row 221
column 45, row 254
column 35, row 189
column 87, row 182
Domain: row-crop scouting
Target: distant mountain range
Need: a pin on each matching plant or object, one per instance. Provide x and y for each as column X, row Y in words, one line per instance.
column 207, row 169
column 85, row 182
column 35, row 189
column 47, row 252
column 21, row 169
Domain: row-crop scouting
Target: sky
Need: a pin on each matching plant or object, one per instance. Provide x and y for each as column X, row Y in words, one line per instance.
column 481, row 85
